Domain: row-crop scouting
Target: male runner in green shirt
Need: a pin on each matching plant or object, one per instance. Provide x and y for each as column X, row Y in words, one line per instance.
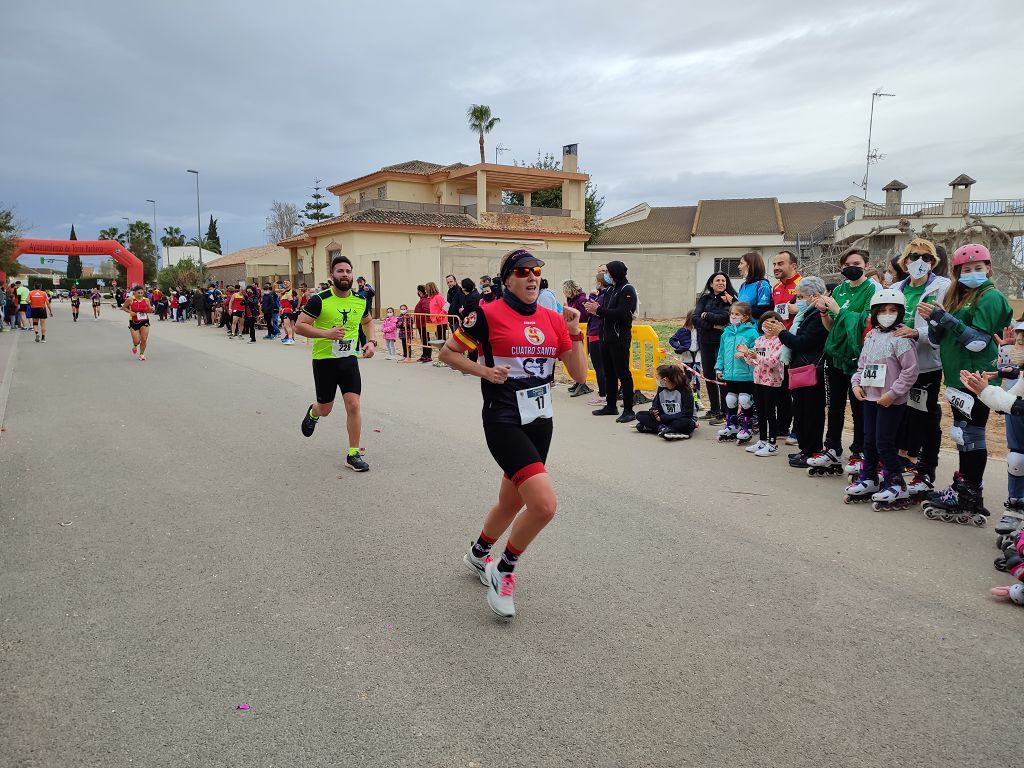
column 333, row 319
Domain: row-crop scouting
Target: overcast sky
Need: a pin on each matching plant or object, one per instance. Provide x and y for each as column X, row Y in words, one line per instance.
column 108, row 103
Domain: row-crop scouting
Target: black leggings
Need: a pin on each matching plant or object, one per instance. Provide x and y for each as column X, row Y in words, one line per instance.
column 425, row 339
column 708, row 358
column 921, row 431
column 250, row 327
column 678, row 424
column 809, row 416
column 837, row 392
column 597, row 361
column 768, row 404
column 617, row 374
column 405, row 347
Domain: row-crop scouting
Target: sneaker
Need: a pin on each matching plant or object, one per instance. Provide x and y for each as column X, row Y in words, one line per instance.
column 251, row 341
column 798, row 461
column 606, row 411
column 716, row 419
column 42, row 340
column 135, row 350
column 142, row 358
column 500, row 588
column 626, row 417
column 268, row 337
column 648, row 430
column 573, row 388
column 756, row 446
column 581, row 389
column 770, row 449
column 388, row 357
column 37, row 337
column 599, row 400
column 791, row 439
column 477, row 565
column 356, row 464
column 308, row 422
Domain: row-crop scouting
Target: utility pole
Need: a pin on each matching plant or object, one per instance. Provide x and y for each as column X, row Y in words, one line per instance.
column 199, row 221
column 155, row 249
column 871, row 155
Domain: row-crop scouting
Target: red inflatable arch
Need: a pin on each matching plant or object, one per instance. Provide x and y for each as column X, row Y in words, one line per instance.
column 111, row 248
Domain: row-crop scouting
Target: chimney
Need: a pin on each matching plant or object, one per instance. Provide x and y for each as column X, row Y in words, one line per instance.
column 894, row 194
column 569, row 158
column 962, row 188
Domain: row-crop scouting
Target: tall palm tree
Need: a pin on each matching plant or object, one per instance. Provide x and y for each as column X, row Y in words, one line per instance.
column 111, row 233
column 172, row 237
column 480, row 121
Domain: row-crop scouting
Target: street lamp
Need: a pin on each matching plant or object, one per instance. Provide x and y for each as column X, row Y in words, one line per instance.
column 127, row 232
column 871, row 155
column 199, row 221
column 154, row 234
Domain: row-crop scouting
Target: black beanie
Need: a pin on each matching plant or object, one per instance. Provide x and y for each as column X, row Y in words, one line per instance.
column 617, row 270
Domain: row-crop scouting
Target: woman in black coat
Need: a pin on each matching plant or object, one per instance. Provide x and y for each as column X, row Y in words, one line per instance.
column 710, row 317
column 805, row 345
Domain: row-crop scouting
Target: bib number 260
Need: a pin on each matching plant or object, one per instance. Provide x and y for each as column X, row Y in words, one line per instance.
column 534, row 403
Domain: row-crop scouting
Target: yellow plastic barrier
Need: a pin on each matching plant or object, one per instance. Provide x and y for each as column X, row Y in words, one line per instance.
column 643, row 336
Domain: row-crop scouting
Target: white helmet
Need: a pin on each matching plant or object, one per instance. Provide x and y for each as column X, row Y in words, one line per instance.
column 889, row 296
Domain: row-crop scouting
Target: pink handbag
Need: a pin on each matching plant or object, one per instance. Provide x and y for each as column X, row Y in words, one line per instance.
column 804, row 376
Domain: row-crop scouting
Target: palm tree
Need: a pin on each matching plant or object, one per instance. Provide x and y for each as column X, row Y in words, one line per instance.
column 480, row 121
column 172, row 237
column 205, row 244
column 111, row 233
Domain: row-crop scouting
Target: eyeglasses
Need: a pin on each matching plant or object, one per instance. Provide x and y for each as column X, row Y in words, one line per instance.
column 526, row 271
column 915, row 256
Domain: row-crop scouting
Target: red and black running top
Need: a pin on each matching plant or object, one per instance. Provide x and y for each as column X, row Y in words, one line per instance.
column 528, row 344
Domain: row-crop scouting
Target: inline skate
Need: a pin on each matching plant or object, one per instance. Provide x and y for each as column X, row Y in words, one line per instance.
column 920, row 485
column 729, row 431
column 1012, row 522
column 745, row 433
column 1012, row 558
column 892, row 496
column 961, row 503
column 861, row 491
column 854, row 465
column 825, row 463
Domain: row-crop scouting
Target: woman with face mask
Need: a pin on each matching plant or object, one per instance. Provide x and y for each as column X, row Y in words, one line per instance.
column 710, row 317
column 963, row 326
column 886, row 370
column 920, row 433
column 804, row 347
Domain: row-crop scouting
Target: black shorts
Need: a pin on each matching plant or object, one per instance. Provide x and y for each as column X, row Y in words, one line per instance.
column 293, row 316
column 332, row 374
column 38, row 313
column 235, row 314
column 136, row 324
column 520, row 451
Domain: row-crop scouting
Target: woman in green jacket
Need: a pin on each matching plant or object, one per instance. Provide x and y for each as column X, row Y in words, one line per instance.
column 964, row 331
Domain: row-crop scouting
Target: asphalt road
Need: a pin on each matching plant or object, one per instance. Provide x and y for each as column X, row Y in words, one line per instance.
column 689, row 606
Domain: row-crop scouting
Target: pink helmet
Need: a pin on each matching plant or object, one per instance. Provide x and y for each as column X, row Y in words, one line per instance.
column 971, row 252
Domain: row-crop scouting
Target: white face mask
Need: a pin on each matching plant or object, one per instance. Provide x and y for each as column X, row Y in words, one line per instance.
column 918, row 269
column 886, row 321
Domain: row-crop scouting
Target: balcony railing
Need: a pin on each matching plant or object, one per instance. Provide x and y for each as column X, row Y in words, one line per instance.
column 399, row 205
column 919, row 210
column 529, row 211
column 990, row 208
column 901, row 210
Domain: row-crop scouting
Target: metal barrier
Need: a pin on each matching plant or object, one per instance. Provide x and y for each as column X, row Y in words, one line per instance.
column 432, row 327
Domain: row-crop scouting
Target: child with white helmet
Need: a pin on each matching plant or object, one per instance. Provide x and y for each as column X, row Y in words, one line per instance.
column 886, row 370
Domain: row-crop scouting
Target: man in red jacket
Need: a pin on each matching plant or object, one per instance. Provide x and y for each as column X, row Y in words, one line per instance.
column 783, row 298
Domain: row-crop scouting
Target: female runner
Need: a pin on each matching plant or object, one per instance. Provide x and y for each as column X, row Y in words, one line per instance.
column 138, row 309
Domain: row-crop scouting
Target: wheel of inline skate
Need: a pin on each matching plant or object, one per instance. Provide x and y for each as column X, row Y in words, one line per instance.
column 978, row 521
column 878, row 506
column 930, row 512
column 946, row 517
column 1000, row 564
column 812, row 471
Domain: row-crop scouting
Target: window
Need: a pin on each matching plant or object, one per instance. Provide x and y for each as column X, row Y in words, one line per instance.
column 362, row 195
column 730, row 266
column 382, row 193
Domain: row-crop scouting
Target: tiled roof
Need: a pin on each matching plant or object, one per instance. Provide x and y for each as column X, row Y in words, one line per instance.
column 896, row 185
column 798, row 218
column 963, row 180
column 414, row 218
column 662, row 225
column 268, row 254
column 748, row 216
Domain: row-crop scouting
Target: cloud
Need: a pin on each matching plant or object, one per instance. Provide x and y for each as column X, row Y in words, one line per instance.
column 668, row 103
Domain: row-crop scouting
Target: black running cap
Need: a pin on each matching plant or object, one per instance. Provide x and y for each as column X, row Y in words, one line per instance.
column 520, row 258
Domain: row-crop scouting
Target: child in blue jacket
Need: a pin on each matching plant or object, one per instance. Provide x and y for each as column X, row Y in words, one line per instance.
column 738, row 375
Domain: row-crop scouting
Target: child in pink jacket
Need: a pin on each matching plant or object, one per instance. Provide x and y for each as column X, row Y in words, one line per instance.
column 766, row 357
column 389, row 327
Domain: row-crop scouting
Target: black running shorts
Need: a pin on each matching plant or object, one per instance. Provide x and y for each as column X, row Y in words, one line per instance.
column 38, row 313
column 332, row 374
column 520, row 451
column 137, row 324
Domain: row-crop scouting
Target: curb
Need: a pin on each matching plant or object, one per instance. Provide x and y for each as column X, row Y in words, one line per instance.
column 5, row 384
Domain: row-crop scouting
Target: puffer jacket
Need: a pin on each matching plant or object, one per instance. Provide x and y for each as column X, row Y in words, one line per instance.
column 736, row 368
column 928, row 358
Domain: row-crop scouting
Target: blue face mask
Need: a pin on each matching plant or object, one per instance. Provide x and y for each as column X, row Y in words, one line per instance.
column 801, row 305
column 973, row 279
column 607, row 278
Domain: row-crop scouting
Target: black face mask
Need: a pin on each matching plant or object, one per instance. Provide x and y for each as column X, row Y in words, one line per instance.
column 853, row 273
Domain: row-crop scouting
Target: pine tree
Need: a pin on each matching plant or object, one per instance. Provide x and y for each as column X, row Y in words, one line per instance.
column 317, row 210
column 74, row 261
column 211, row 235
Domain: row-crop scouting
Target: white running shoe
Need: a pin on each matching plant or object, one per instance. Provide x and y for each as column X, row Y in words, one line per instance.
column 477, row 565
column 500, row 587
column 388, row 357
column 755, row 447
column 770, row 449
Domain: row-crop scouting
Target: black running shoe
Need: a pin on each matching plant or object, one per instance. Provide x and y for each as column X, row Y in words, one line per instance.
column 308, row 422
column 356, row 464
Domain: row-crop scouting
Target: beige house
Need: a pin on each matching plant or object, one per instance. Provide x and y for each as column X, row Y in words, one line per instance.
column 253, row 265
column 416, row 222
column 672, row 251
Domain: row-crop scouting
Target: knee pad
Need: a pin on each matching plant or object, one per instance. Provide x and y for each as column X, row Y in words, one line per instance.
column 731, row 400
column 974, row 438
column 1015, row 463
column 957, row 433
column 746, row 401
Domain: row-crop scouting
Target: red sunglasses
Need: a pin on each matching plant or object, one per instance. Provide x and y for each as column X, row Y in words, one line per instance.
column 526, row 271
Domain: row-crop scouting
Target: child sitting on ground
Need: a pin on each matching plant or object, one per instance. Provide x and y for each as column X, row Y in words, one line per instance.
column 671, row 414
column 389, row 328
